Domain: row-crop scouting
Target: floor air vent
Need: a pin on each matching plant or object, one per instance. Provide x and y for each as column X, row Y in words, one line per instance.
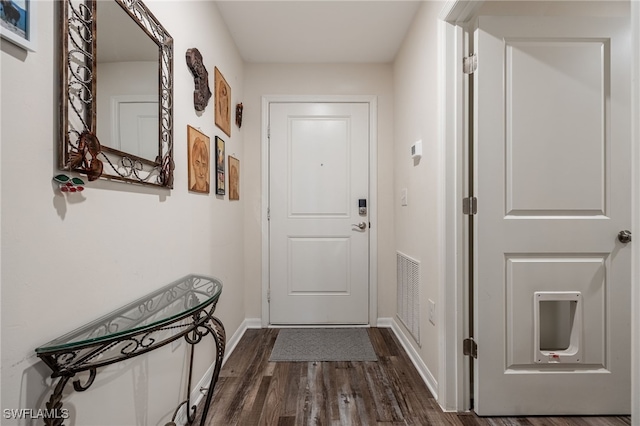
column 408, row 294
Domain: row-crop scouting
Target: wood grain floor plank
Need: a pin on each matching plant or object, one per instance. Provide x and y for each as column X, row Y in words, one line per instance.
column 337, row 409
column 361, row 394
column 347, row 396
column 287, row 421
column 387, row 409
column 315, row 412
column 291, row 390
column 254, row 414
column 381, row 344
column 273, row 404
column 303, row 397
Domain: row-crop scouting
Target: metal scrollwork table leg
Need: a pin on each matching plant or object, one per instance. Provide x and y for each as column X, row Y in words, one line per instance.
column 217, row 331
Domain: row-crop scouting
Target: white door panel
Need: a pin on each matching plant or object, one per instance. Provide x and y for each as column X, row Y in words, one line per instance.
column 319, row 262
column 555, row 141
column 552, row 283
column 135, row 125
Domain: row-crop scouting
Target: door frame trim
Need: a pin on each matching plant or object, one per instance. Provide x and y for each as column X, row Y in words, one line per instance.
column 454, row 393
column 635, row 206
column 372, row 101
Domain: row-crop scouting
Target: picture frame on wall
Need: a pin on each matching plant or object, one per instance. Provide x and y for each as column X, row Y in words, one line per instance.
column 220, row 171
column 223, row 102
column 234, row 178
column 18, row 23
column 198, row 149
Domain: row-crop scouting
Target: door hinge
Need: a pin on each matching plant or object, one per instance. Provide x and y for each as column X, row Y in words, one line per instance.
column 269, row 133
column 268, row 213
column 470, row 64
column 469, row 205
column 470, row 347
column 268, row 295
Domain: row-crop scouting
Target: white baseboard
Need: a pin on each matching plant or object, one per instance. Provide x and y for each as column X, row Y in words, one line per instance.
column 196, row 395
column 424, row 372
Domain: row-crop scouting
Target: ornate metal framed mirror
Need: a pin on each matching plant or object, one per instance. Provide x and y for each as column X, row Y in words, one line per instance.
column 116, row 100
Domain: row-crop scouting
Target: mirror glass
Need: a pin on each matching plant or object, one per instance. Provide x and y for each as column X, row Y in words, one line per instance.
column 127, row 109
column 116, row 107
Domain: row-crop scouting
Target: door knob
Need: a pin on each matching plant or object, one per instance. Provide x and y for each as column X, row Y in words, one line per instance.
column 362, row 225
column 624, row 236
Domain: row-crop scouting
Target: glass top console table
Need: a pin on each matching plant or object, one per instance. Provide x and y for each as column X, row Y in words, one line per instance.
column 182, row 309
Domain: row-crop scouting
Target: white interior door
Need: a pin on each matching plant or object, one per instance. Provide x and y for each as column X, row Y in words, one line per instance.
column 136, row 126
column 552, row 280
column 319, row 239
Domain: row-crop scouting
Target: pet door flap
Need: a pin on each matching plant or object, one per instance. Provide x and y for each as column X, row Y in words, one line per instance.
column 557, row 327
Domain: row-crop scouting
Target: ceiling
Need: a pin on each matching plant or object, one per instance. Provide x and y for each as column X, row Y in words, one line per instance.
column 312, row 31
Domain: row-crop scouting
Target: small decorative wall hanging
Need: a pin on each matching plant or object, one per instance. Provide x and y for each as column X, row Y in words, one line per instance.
column 239, row 109
column 18, row 23
column 69, row 184
column 198, row 146
column 223, row 103
column 202, row 93
column 234, row 178
column 219, row 166
column 84, row 158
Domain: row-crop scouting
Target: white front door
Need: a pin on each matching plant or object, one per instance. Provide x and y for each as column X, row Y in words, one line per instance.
column 319, row 238
column 553, row 168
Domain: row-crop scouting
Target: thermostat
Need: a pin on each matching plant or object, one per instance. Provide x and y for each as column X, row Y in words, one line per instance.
column 416, row 150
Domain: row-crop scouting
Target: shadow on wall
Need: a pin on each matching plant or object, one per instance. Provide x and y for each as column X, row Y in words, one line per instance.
column 38, row 386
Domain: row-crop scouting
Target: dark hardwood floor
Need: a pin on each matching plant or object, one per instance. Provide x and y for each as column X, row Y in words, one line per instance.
column 253, row 391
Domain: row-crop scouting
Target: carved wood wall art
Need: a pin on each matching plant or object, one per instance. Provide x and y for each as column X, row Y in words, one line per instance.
column 239, row 109
column 202, row 93
column 223, row 102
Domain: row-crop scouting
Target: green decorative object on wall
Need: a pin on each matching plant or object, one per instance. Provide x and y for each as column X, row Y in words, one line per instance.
column 69, row 184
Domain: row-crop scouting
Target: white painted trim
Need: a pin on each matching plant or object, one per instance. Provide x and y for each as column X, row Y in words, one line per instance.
column 635, row 173
column 459, row 11
column 384, row 322
column 427, row 377
column 451, row 320
column 453, row 376
column 373, row 191
column 250, row 323
column 373, row 209
column 264, row 206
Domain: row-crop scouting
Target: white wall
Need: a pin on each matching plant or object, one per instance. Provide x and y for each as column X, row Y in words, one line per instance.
column 318, row 79
column 68, row 259
column 418, row 225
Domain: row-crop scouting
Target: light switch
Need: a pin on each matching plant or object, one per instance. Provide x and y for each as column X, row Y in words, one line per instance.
column 432, row 312
column 403, row 197
column 416, row 150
